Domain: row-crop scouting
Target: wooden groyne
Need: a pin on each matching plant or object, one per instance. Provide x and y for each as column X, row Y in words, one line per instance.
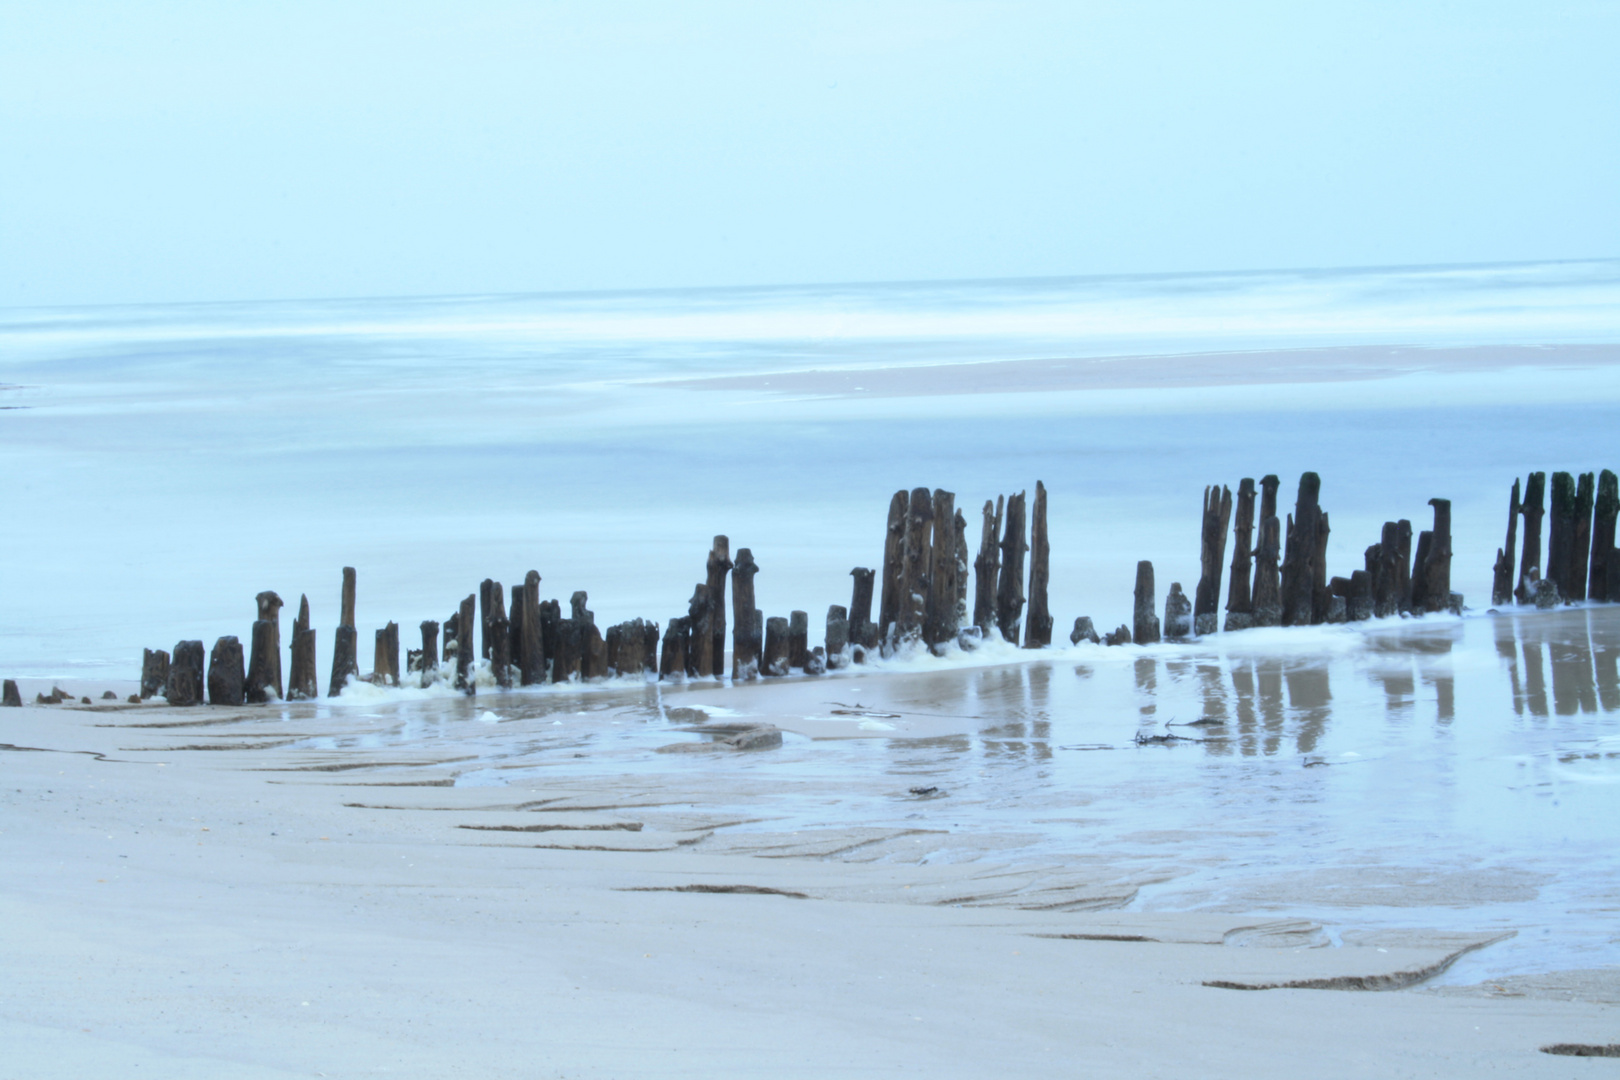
column 1580, row 561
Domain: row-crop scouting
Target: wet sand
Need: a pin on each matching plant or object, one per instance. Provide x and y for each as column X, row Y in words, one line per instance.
column 260, row 892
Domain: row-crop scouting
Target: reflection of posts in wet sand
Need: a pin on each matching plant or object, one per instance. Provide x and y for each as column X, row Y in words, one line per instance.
column 1535, row 675
column 1147, row 681
column 1212, row 688
column 1583, row 656
column 1605, row 654
column 1309, row 696
column 1268, row 677
column 1445, row 694
column 1038, row 682
column 1573, row 689
column 1507, row 648
column 1244, row 704
column 1400, row 688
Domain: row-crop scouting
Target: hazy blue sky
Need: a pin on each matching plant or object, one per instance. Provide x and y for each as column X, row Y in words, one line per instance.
column 173, row 151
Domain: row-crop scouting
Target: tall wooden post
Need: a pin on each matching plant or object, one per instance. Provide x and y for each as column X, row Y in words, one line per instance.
column 894, row 562
column 1145, row 622
column 466, row 619
column 1582, row 544
column 1010, row 586
column 185, row 682
column 154, row 672
column 1267, row 599
column 775, row 660
column 430, row 645
column 837, row 636
column 1299, row 556
column 939, row 614
column 226, row 683
column 700, row 647
column 719, row 566
column 861, row 630
column 959, row 528
column 1436, row 561
column 1038, row 633
column 1240, row 592
column 1403, row 564
column 986, row 567
column 745, row 634
column 345, row 643
column 1502, row 574
column 798, row 639
column 301, row 684
column 1319, row 575
column 914, row 577
column 264, row 660
column 1602, row 583
column 1534, row 497
column 1561, row 534
column 1212, row 557
column 531, row 639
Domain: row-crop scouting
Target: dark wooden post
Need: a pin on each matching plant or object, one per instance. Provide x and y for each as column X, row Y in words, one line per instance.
column 270, row 611
column 673, row 662
column 226, row 683
column 745, row 642
column 1178, row 614
column 11, row 698
column 531, row 638
column 465, row 621
column 649, row 646
column 1502, row 574
column 719, row 566
column 1359, row 599
column 986, row 567
column 430, row 646
column 939, row 613
column 1602, row 583
column 185, row 682
column 894, row 562
column 1561, row 534
column 1145, row 623
column 798, row 639
column 154, row 672
column 959, row 524
column 391, row 651
column 264, row 659
column 1434, row 587
column 1010, row 586
column 1319, row 574
column 1534, row 497
column 775, row 660
column 567, row 662
column 861, row 630
column 550, row 620
column 1038, row 632
column 485, row 589
column 1299, row 555
column 913, row 599
column 498, row 635
column 1420, row 575
column 345, row 642
column 1403, row 565
column 837, row 636
column 1239, row 593
column 1582, row 545
column 700, row 646
column 1267, row 600
column 301, row 684
column 1212, row 558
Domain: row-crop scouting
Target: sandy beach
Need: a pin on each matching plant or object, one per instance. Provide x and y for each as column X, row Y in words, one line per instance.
column 258, row 892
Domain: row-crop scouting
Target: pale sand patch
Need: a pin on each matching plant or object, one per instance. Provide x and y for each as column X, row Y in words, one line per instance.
column 1352, row 363
column 191, row 915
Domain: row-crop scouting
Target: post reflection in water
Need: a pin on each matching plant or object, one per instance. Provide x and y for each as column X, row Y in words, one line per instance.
column 1583, row 658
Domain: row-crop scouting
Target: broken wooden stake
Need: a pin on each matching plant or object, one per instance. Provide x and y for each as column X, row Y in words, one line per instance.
column 1602, row 582
column 1299, row 554
column 775, row 660
column 1212, row 558
column 1083, row 631
column 531, row 653
column 1010, row 584
column 185, row 682
column 1502, row 572
column 345, row 642
column 1178, row 614
column 10, row 698
column 894, row 561
column 466, row 619
column 1266, row 603
column 798, row 639
column 862, row 632
column 719, row 566
column 301, row 679
column 1582, row 543
column 838, row 649
column 1240, row 592
column 226, row 678
column 1145, row 622
column 746, row 644
column 1532, row 509
column 154, row 673
column 986, row 568
column 1038, row 632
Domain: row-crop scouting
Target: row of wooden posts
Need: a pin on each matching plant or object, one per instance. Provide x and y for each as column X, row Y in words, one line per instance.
column 1582, row 562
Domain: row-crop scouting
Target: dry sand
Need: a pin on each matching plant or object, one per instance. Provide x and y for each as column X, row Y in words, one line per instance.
column 200, row 900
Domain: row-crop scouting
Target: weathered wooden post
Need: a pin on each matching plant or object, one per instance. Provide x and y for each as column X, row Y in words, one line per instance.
column 1319, row 587
column 345, row 642
column 301, row 669
column 719, row 566
column 1602, row 583
column 1359, row 599
column 1240, row 592
column 1178, row 614
column 550, row 620
column 745, row 635
column 568, row 661
column 264, row 659
column 1561, row 535
column 11, row 698
column 531, row 638
column 894, row 564
column 1010, row 585
column 700, row 643
column 939, row 609
column 499, row 636
column 986, row 568
column 837, row 636
column 430, row 649
column 185, row 683
column 913, row 599
column 1420, row 576
column 1083, row 631
column 466, row 619
column 649, row 646
column 1038, row 632
column 154, row 672
column 1403, row 565
column 861, row 630
column 959, row 527
column 226, row 681
column 592, row 649
column 1267, row 600
column 1534, row 497
column 1145, row 628
column 390, row 641
column 485, row 598
column 1299, row 556
column 798, row 639
column 673, row 662
column 1502, row 573
column 1437, row 563
column 1212, row 557
column 775, row 660
column 1582, row 545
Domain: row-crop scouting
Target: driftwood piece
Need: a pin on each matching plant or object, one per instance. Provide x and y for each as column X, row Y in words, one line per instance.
column 1178, row 614
column 1582, row 544
column 531, row 651
column 672, row 663
column 1299, row 554
column 465, row 620
column 154, row 672
column 1561, row 535
column 719, row 566
column 1240, row 591
column 894, row 560
column 1038, row 631
column 1217, row 518
column 746, row 629
column 1530, row 559
column 775, row 660
column 1145, row 623
column 1010, row 584
column 185, row 681
column 837, row 636
column 345, row 641
column 700, row 644
column 11, row 698
column 1083, row 631
column 226, row 678
column 939, row 610
column 798, row 639
column 986, row 567
column 861, row 630
column 1266, row 603
column 1601, row 579
column 913, row 599
column 1502, row 572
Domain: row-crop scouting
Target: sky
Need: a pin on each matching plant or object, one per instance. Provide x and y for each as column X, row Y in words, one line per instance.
column 162, row 152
